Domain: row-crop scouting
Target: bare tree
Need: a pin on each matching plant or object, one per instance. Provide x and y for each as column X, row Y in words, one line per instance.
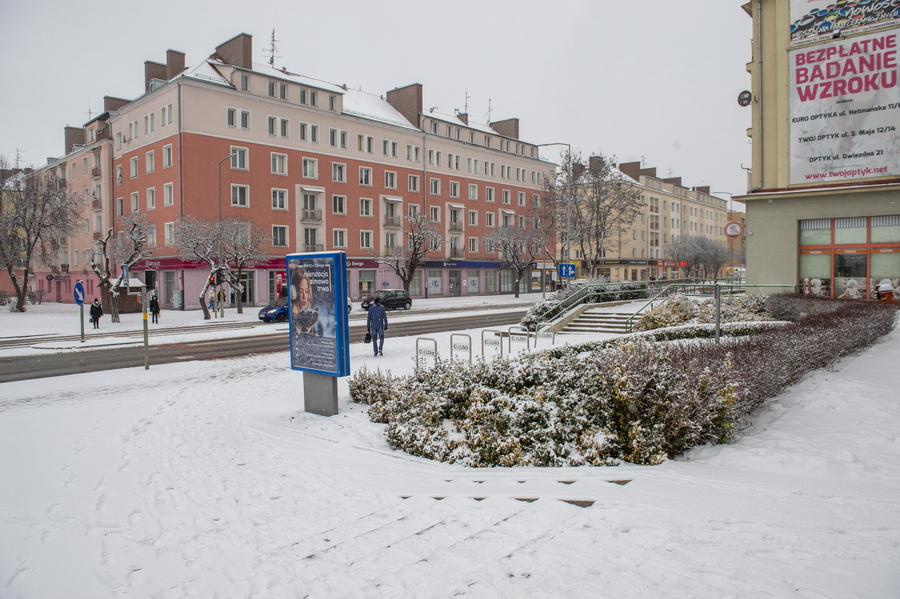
column 700, row 253
column 518, row 247
column 36, row 213
column 128, row 248
column 599, row 204
column 422, row 236
column 204, row 240
column 243, row 245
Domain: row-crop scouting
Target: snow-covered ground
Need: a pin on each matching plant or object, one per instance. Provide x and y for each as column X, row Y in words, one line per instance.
column 207, row 479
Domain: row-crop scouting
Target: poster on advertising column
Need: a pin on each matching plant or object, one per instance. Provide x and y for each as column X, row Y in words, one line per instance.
column 317, row 291
column 845, row 110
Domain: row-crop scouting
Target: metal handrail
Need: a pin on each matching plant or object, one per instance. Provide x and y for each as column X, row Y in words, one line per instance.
column 732, row 288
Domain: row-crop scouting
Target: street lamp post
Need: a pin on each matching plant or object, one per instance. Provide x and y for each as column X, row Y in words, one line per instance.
column 567, row 246
column 219, row 304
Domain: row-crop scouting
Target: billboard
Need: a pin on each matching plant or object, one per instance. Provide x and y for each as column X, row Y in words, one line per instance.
column 317, row 291
column 818, row 20
column 845, row 110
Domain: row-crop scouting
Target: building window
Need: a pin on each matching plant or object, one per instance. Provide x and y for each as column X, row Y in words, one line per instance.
column 506, row 196
column 454, row 189
column 521, row 198
column 273, row 125
column 330, row 102
column 412, row 153
column 339, row 237
column 245, row 82
column 473, row 192
column 118, row 174
column 473, row 245
column 390, row 180
column 313, row 98
column 231, row 117
column 120, row 209
column 168, row 195
column 167, row 156
column 135, row 202
column 279, row 164
column 365, row 175
column 338, row 172
column 133, row 163
column 338, row 204
column 279, row 199
column 245, row 119
column 170, row 233
column 279, row 235
column 240, row 195
column 473, row 217
column 310, row 168
column 314, row 134
column 365, row 207
column 283, row 91
column 149, row 120
column 151, row 198
column 435, row 216
column 150, row 166
column 435, row 187
column 414, row 183
column 489, row 194
column 489, row 219
column 413, row 210
column 365, row 240
column 165, row 115
column 272, row 89
column 239, row 158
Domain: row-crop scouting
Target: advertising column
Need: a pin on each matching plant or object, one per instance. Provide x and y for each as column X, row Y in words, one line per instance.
column 317, row 288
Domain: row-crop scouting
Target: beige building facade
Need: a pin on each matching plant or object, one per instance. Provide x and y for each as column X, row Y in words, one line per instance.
column 823, row 209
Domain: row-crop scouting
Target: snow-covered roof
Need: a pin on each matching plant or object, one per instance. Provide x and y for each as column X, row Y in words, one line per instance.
column 370, row 106
column 455, row 120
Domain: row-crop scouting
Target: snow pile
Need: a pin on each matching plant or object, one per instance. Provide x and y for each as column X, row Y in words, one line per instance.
column 602, row 402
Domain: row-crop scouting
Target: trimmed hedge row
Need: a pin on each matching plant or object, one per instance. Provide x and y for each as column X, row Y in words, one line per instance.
column 633, row 399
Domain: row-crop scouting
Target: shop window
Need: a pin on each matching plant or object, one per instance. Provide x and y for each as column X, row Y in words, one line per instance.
column 886, row 229
column 815, row 232
column 849, row 230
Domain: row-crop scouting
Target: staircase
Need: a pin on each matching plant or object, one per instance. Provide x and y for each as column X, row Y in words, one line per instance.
column 598, row 321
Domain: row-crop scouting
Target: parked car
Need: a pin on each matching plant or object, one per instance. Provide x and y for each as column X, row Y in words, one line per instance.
column 391, row 299
column 277, row 312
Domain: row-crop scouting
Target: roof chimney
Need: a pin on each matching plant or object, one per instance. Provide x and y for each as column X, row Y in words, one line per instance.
column 153, row 70
column 507, row 128
column 237, row 51
column 174, row 64
column 74, row 137
column 407, row 101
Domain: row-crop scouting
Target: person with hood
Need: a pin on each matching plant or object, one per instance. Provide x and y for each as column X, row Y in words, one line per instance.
column 377, row 324
column 154, row 310
column 96, row 313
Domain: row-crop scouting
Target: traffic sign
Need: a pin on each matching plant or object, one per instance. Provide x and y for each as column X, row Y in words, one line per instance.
column 566, row 270
column 79, row 293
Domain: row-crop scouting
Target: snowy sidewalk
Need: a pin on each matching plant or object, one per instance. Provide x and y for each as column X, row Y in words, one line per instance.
column 208, row 479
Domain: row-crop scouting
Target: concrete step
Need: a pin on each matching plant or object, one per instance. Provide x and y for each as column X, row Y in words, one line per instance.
column 598, row 322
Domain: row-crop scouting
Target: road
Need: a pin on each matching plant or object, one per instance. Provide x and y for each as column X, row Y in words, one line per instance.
column 21, row 368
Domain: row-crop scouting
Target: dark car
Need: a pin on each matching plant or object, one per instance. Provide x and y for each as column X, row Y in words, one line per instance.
column 391, row 299
column 277, row 312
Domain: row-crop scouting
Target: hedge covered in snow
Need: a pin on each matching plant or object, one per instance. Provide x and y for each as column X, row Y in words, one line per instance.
column 680, row 309
column 632, row 399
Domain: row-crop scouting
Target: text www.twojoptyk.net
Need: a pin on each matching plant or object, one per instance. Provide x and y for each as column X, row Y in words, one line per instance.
column 849, row 173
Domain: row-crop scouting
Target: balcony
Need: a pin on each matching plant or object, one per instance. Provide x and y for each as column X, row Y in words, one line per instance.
column 311, row 216
column 457, row 253
column 456, row 226
column 96, row 204
column 313, row 247
column 95, row 173
column 393, row 221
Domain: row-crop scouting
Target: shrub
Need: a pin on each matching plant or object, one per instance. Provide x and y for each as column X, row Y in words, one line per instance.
column 677, row 309
column 376, row 389
column 632, row 399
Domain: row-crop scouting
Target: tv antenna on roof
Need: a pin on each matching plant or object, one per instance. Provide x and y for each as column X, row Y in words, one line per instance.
column 466, row 106
column 272, row 49
column 489, row 111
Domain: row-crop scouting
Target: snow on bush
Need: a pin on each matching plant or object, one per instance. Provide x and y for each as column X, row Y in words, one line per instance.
column 679, row 309
column 633, row 399
column 376, row 389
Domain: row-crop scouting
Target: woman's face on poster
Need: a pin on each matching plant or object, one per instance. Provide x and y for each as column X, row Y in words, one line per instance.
column 304, row 294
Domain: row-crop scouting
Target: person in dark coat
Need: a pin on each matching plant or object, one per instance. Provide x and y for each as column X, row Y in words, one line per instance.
column 96, row 313
column 377, row 324
column 154, row 310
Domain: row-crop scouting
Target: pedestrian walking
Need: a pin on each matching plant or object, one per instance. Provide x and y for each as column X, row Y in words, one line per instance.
column 377, row 324
column 96, row 313
column 154, row 310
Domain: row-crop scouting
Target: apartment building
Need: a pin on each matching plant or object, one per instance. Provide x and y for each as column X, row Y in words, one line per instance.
column 823, row 211
column 321, row 166
column 668, row 211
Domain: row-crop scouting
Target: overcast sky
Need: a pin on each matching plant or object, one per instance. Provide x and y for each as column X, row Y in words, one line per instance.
column 654, row 80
